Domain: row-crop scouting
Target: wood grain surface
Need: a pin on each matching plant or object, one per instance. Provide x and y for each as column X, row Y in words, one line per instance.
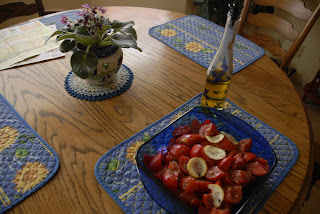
column 82, row 131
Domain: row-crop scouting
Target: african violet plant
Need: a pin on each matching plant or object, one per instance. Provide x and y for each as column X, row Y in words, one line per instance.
column 91, row 34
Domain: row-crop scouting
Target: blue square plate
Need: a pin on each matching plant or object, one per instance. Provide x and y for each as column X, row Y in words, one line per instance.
column 224, row 122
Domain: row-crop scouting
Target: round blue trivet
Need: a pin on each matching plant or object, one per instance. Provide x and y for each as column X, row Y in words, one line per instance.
column 79, row 88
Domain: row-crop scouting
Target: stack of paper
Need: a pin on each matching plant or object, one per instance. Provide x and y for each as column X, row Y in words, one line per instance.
column 25, row 44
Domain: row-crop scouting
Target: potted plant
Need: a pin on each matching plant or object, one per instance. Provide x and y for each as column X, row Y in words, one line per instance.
column 93, row 38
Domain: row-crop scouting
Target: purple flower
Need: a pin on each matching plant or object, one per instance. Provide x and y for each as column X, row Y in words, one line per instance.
column 102, row 9
column 87, row 6
column 64, row 20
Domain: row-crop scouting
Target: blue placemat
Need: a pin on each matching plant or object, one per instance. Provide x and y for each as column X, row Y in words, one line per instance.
column 199, row 39
column 27, row 162
column 117, row 174
column 79, row 88
column 54, row 19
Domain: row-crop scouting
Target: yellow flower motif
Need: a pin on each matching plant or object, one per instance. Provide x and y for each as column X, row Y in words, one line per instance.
column 8, row 136
column 226, row 104
column 194, row 47
column 132, row 149
column 169, row 32
column 29, row 176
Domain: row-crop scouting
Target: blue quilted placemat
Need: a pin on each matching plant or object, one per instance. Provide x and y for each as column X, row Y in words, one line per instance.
column 79, row 88
column 27, row 162
column 199, row 39
column 54, row 19
column 117, row 174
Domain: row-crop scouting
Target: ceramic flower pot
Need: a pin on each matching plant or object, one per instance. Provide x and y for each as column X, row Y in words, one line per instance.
column 109, row 62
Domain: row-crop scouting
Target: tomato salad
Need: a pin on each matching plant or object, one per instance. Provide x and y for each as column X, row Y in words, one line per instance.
column 206, row 168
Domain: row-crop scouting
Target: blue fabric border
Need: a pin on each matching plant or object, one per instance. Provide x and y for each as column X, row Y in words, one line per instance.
column 56, row 158
column 204, row 62
column 101, row 97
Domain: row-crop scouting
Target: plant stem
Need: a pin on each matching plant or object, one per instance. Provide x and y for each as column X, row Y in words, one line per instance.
column 88, row 49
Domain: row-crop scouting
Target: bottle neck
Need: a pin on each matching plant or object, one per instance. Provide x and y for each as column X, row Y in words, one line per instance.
column 230, row 32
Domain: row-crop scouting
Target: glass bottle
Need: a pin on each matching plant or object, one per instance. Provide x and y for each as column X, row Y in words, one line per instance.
column 220, row 70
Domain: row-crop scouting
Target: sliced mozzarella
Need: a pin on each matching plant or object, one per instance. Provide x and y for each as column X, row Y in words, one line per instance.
column 215, row 138
column 233, row 140
column 217, row 194
column 197, row 167
column 214, row 153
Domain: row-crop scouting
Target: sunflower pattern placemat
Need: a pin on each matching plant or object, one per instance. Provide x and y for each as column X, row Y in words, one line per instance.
column 199, row 39
column 116, row 171
column 27, row 162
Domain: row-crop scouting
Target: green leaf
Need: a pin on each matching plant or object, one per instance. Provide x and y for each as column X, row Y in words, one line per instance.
column 130, row 31
column 67, row 36
column 86, row 40
column 67, row 45
column 124, row 41
column 58, row 32
column 117, row 24
column 105, row 21
column 83, row 65
column 82, row 31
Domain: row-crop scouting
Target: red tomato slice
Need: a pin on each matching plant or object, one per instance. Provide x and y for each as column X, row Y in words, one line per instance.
column 181, row 130
column 258, row 169
column 206, row 122
column 215, row 173
column 183, row 161
column 232, row 194
column 238, row 161
column 262, row 160
column 179, row 149
column 188, row 184
column 249, row 156
column 208, row 129
column 245, row 145
column 196, row 151
column 225, row 209
column 205, row 142
column 190, row 198
column 155, row 163
column 226, row 144
column 240, row 177
column 146, row 160
column 225, row 163
column 203, row 210
column 170, row 180
column 159, row 174
column 202, row 186
column 189, row 139
column 195, row 126
column 208, row 201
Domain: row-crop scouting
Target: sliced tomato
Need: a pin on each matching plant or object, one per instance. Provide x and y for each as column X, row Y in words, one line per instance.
column 190, row 198
column 225, row 163
column 224, row 209
column 258, row 169
column 215, row 173
column 245, row 145
column 189, row 139
column 206, row 122
column 218, row 183
column 195, row 126
column 196, row 151
column 240, row 177
column 262, row 160
column 208, row 129
column 205, row 142
column 202, row 186
column 170, row 180
column 170, row 157
column 226, row 144
column 146, row 160
column 249, row 156
column 159, row 174
column 188, row 184
column 208, row 201
column 171, row 142
column 179, row 149
column 155, row 163
column 238, row 161
column 232, row 153
column 174, row 166
column 203, row 210
column 183, row 161
column 226, row 180
column 181, row 130
column 232, row 194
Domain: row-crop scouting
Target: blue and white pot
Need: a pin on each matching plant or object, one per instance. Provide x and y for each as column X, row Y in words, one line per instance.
column 109, row 62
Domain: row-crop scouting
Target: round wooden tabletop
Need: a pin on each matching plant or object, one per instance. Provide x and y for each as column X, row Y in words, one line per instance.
column 82, row 131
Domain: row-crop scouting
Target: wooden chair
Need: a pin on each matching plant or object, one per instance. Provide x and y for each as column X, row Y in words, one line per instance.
column 16, row 9
column 277, row 24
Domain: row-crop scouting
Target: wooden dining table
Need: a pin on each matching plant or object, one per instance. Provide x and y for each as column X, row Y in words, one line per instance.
column 82, row 131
